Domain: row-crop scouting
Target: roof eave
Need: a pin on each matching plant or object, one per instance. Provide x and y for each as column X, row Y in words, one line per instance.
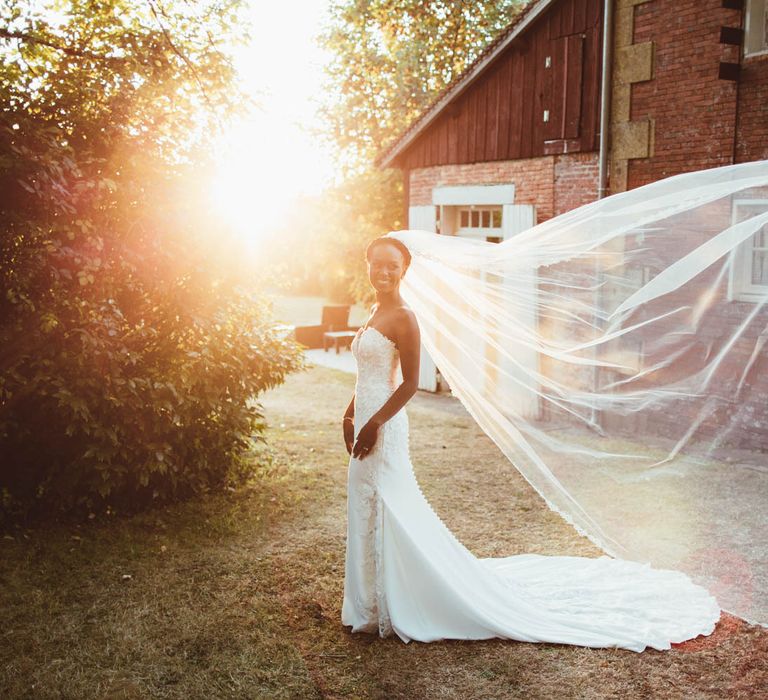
column 461, row 86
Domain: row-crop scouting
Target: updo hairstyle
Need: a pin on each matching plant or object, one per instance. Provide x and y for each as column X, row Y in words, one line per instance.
column 387, row 240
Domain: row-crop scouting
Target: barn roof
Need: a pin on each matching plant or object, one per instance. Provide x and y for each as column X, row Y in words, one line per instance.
column 459, row 84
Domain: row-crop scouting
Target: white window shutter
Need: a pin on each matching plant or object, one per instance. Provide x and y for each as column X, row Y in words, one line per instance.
column 516, row 218
column 425, row 219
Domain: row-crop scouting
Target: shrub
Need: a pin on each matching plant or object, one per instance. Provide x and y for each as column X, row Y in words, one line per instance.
column 133, row 341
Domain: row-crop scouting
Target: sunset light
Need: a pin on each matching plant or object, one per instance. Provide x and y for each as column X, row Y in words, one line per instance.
column 383, row 349
column 259, row 177
column 268, row 159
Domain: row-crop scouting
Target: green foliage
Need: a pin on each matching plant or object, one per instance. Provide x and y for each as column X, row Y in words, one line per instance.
column 390, row 58
column 331, row 232
column 132, row 344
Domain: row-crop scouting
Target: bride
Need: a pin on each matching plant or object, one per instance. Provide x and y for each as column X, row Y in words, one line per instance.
column 407, row 574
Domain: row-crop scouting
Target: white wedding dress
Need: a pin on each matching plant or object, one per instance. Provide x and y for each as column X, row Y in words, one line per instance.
column 406, row 573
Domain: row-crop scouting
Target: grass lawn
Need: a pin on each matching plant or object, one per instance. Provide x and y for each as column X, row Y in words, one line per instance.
column 239, row 595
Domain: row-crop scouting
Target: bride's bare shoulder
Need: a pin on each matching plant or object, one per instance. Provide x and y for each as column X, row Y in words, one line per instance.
column 406, row 320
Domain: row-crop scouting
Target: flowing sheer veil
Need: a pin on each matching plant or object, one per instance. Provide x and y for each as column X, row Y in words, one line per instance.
column 616, row 355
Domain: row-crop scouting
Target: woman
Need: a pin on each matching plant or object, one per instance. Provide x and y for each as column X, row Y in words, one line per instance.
column 406, row 572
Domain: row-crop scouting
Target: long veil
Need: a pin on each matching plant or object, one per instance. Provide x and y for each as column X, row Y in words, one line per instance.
column 616, row 355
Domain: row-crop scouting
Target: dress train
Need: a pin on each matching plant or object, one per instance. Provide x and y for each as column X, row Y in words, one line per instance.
column 407, row 574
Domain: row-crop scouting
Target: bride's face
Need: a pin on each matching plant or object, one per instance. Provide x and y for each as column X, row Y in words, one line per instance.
column 386, row 268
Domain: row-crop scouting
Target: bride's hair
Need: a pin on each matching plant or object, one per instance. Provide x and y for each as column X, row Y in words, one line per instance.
column 381, row 240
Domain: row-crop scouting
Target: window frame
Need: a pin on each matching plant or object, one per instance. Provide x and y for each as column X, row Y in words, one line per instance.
column 755, row 24
column 740, row 285
column 480, row 232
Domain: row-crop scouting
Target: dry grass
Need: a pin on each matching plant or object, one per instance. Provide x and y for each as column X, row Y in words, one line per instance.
column 239, row 596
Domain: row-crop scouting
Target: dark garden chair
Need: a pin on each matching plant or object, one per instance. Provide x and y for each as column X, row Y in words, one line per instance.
column 334, row 329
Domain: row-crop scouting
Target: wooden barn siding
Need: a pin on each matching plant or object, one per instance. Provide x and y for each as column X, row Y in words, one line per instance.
column 500, row 117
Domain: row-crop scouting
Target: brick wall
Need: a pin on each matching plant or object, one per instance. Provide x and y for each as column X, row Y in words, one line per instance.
column 702, row 320
column 532, row 177
column 575, row 181
column 752, row 123
column 701, row 121
column 693, row 111
column 553, row 184
column 696, row 322
column 556, row 184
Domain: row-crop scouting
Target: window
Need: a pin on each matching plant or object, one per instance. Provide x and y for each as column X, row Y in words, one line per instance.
column 749, row 269
column 480, row 222
column 756, row 27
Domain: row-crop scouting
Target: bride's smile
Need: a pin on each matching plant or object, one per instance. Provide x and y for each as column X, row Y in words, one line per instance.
column 386, row 268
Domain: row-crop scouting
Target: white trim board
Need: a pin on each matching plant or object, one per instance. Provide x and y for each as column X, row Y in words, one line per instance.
column 473, row 195
column 740, row 286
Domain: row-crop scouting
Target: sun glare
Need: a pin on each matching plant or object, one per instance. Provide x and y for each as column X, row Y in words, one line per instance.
column 266, row 161
column 261, row 169
column 249, row 190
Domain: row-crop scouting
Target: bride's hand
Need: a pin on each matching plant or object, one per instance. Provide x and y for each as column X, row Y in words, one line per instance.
column 366, row 439
column 348, row 428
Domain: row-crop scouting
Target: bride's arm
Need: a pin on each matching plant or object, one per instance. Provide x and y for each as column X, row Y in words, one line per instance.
column 350, row 412
column 408, row 344
column 348, row 425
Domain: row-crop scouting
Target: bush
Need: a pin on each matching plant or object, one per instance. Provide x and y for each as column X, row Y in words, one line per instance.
column 130, row 360
column 104, row 413
column 133, row 342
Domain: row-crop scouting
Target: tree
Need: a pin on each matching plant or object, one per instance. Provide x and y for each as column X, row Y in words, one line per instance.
column 131, row 347
column 332, row 231
column 390, row 58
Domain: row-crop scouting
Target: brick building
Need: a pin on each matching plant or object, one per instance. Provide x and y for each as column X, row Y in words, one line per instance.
column 688, row 90
column 517, row 138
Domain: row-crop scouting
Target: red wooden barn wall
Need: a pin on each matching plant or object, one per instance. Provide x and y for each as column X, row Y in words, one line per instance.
column 500, row 117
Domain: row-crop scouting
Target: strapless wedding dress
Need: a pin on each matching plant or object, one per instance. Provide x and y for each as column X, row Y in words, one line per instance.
column 406, row 573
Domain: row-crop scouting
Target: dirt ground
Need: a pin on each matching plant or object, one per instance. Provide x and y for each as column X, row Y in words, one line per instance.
column 239, row 596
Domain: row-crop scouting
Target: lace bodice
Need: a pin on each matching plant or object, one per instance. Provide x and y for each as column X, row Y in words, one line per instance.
column 378, row 372
column 378, row 375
